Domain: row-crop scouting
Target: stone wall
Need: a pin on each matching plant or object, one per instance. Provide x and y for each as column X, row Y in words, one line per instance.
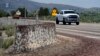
column 31, row 37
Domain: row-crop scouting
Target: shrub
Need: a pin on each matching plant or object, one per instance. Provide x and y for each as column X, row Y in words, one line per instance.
column 90, row 17
column 7, row 42
column 9, row 29
column 53, row 18
column 10, row 32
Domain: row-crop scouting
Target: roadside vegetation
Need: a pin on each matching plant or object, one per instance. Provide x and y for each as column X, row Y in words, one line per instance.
column 90, row 17
column 7, row 39
column 45, row 14
column 9, row 30
column 3, row 13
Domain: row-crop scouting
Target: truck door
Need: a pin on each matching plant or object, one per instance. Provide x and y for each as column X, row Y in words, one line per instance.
column 60, row 16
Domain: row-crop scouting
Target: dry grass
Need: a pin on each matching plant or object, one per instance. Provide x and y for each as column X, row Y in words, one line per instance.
column 1, row 52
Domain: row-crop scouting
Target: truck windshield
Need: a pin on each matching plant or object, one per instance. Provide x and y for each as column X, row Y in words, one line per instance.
column 66, row 12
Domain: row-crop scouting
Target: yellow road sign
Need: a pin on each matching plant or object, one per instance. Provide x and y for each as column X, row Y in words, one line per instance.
column 54, row 12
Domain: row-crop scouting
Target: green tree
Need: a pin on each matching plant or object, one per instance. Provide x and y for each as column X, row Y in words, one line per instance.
column 13, row 12
column 41, row 11
column 3, row 13
column 46, row 12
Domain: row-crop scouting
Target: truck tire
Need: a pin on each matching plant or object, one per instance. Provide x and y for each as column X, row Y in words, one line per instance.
column 64, row 22
column 57, row 21
column 77, row 23
column 69, row 23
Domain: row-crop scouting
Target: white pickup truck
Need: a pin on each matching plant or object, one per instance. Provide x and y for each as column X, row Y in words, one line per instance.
column 67, row 16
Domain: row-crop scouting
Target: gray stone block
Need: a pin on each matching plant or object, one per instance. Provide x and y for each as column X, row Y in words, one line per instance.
column 30, row 37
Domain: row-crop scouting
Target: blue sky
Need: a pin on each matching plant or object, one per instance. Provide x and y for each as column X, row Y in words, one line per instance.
column 79, row 3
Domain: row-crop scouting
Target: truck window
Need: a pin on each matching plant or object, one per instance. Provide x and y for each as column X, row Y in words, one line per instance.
column 66, row 12
column 61, row 12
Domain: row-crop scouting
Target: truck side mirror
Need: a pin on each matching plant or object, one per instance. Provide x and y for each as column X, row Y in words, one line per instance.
column 58, row 13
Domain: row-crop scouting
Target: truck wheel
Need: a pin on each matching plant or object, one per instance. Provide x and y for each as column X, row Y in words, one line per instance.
column 57, row 21
column 64, row 22
column 69, row 23
column 77, row 23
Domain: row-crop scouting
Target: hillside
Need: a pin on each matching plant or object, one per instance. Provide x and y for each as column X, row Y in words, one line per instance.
column 31, row 5
column 13, row 4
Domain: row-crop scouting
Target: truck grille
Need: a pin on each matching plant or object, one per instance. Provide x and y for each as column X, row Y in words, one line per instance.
column 73, row 16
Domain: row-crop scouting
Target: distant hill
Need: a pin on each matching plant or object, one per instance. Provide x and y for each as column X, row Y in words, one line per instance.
column 31, row 5
column 14, row 4
column 61, row 6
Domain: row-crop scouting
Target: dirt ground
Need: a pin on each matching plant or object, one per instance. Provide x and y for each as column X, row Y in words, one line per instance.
column 67, row 46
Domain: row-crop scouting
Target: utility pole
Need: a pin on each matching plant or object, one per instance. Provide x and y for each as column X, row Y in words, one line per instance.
column 25, row 13
column 37, row 18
